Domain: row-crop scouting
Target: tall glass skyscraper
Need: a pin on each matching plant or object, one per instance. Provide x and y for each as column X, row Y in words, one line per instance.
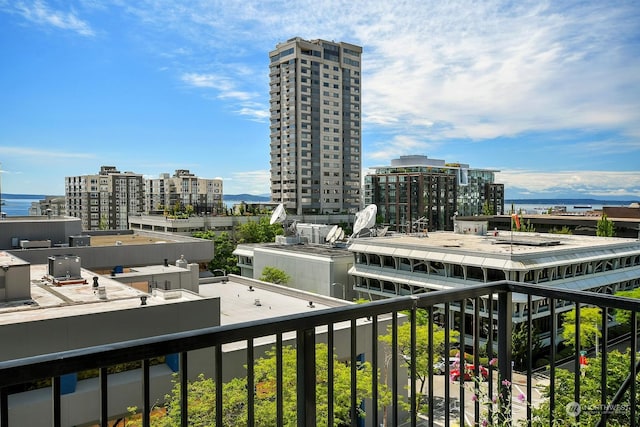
column 316, row 126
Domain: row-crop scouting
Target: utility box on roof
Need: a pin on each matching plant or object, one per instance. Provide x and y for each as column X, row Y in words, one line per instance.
column 64, row 266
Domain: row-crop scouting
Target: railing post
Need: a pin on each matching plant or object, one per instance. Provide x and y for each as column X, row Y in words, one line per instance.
column 306, row 377
column 505, row 312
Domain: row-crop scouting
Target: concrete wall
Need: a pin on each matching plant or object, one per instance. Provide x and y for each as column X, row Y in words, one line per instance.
column 56, row 229
column 309, row 273
column 80, row 407
column 98, row 328
column 107, row 257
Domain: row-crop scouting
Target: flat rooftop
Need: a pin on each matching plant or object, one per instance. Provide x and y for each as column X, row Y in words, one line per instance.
column 505, row 243
column 238, row 301
column 49, row 301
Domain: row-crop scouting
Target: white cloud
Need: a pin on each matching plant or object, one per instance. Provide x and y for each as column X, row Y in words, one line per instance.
column 40, row 13
column 431, row 69
column 249, row 182
column 594, row 182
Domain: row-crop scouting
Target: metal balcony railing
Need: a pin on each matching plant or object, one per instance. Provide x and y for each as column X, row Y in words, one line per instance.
column 443, row 307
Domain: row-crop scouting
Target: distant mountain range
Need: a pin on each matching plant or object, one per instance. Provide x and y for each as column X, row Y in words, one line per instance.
column 246, row 197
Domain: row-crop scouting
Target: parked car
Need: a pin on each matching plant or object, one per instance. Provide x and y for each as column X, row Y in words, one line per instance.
column 469, row 372
column 439, row 366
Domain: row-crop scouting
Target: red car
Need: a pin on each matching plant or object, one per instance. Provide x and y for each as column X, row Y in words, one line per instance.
column 469, row 372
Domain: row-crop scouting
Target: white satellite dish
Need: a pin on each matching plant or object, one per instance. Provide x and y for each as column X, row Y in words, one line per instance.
column 279, row 215
column 340, row 235
column 331, row 234
column 365, row 219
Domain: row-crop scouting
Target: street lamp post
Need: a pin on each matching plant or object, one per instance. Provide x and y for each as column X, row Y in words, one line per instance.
column 344, row 296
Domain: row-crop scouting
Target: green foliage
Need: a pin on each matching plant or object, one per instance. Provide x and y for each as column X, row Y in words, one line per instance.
column 624, row 316
column 487, row 209
column 563, row 230
column 258, row 231
column 605, row 227
column 520, row 344
column 202, row 393
column 223, row 248
column 590, row 321
column 617, row 371
column 422, row 347
column 274, row 275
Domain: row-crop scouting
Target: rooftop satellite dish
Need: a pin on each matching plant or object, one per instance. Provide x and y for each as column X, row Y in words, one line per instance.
column 366, row 218
column 331, row 234
column 340, row 235
column 279, row 215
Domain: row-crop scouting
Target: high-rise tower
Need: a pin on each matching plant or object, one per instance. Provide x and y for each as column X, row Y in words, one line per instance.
column 315, row 125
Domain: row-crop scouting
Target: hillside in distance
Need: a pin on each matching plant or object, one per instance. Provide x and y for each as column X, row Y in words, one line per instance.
column 246, row 197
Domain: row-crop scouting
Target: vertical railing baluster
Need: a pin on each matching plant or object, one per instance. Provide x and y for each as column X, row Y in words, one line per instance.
column 104, row 397
column 4, row 407
column 447, row 351
column 576, row 361
column 330, row 375
column 251, row 384
column 218, row 383
column 184, row 390
column 430, row 399
column 603, row 358
column 394, row 368
column 462, row 362
column 146, row 401
column 306, row 377
column 56, row 401
column 529, row 357
column 374, row 370
column 476, row 358
column 491, row 356
column 354, row 371
column 505, row 319
column 634, row 369
column 552, row 360
column 412, row 370
column 279, row 382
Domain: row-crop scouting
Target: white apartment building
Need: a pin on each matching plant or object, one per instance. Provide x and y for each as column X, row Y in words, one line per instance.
column 315, row 132
column 104, row 200
column 183, row 189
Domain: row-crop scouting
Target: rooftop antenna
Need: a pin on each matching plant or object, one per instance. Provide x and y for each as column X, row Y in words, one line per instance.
column 331, row 235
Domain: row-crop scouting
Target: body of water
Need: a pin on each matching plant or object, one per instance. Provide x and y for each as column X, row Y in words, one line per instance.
column 17, row 207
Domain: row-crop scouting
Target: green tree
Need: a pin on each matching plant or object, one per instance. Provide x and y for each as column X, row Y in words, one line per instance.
column 189, row 210
column 624, row 316
column 487, row 209
column 605, row 227
column 202, row 392
column 274, row 275
column 223, row 247
column 260, row 231
column 520, row 344
column 422, row 347
column 104, row 222
column 590, row 322
column 617, row 372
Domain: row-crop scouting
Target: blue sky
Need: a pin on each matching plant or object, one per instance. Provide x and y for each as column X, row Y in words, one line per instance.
column 546, row 92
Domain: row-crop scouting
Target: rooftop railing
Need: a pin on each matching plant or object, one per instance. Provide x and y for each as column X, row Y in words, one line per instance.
column 394, row 395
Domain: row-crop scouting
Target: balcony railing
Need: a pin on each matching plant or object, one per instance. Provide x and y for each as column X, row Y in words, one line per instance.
column 365, row 325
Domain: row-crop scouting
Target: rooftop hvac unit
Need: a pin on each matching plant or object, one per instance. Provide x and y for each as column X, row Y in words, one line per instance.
column 64, row 267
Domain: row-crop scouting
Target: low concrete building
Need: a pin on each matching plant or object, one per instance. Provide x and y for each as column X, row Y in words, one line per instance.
column 412, row 264
column 90, row 310
column 321, row 269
